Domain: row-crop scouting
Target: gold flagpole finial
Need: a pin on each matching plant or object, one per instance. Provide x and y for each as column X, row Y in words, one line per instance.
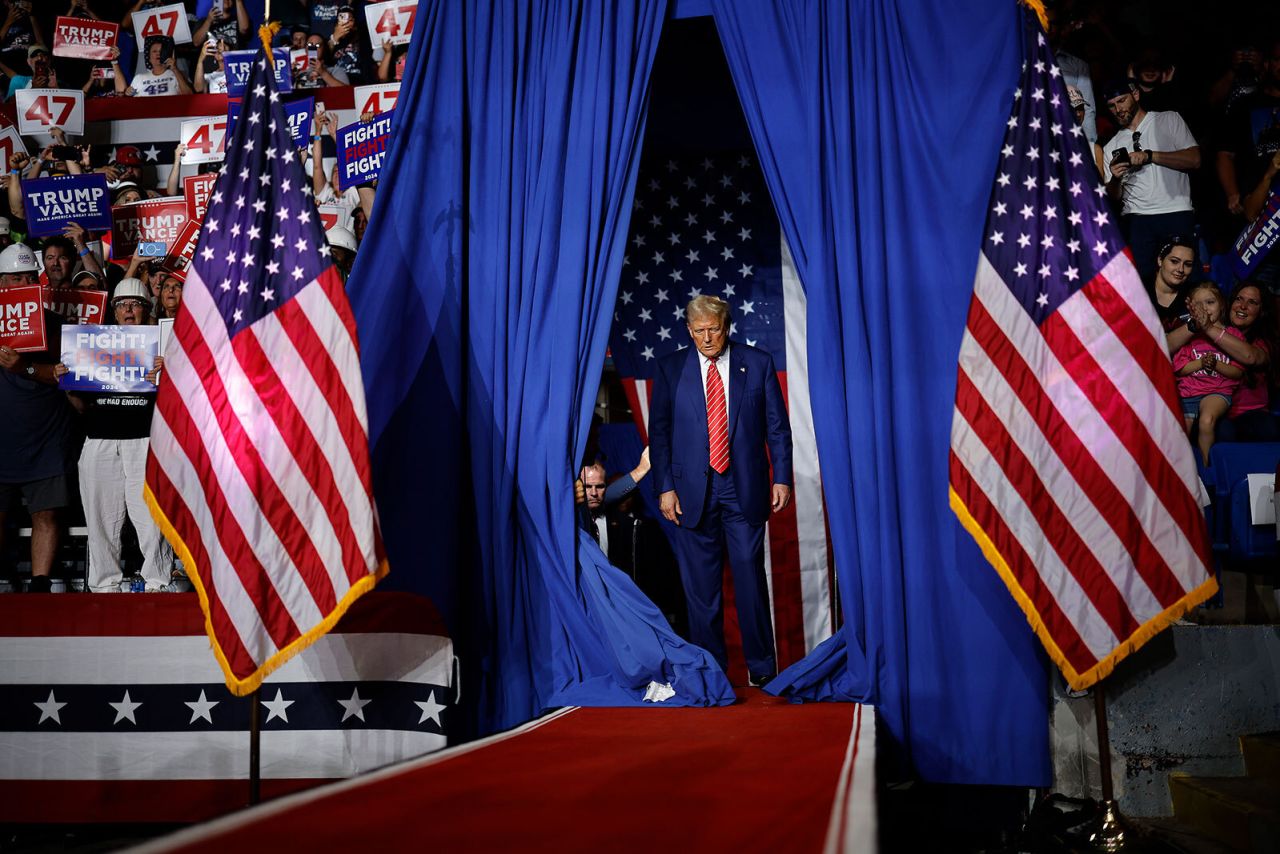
column 1037, row 6
column 267, row 32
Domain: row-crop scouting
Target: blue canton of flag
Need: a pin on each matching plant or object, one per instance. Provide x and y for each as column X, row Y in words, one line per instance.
column 1069, row 462
column 262, row 240
column 698, row 227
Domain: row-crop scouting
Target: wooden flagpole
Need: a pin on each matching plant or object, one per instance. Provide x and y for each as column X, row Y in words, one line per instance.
column 1110, row 835
column 255, row 747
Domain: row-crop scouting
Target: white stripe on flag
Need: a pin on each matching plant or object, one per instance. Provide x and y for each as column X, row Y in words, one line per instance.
column 176, row 465
column 1079, row 511
column 811, row 529
column 1092, row 431
column 1023, row 526
column 247, row 408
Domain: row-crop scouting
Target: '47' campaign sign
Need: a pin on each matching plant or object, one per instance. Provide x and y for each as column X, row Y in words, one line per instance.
column 391, row 22
column 239, row 62
column 375, row 99
column 168, row 21
column 205, row 139
column 41, row 109
column 53, row 202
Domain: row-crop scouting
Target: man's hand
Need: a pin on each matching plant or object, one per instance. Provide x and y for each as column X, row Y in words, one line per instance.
column 669, row 504
column 781, row 496
column 8, row 358
column 1119, row 168
column 579, row 492
column 76, row 233
column 642, row 467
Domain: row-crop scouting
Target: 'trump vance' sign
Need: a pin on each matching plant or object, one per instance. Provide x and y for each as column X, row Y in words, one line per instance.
column 150, row 221
column 362, row 147
column 239, row 62
column 109, row 358
column 22, row 319
column 53, row 202
column 82, row 38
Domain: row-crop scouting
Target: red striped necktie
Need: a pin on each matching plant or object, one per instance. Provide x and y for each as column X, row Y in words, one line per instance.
column 717, row 420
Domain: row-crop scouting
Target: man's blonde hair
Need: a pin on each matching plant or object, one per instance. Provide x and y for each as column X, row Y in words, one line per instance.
column 707, row 306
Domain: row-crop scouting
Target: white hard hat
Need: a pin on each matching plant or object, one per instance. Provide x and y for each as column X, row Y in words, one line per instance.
column 339, row 236
column 18, row 258
column 131, row 288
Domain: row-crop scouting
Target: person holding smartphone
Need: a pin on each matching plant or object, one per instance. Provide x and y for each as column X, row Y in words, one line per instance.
column 316, row 74
column 349, row 48
column 227, row 22
column 162, row 75
column 19, row 30
column 211, row 73
column 42, row 76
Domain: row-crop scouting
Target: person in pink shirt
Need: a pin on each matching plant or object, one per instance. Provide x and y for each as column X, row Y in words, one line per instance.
column 1207, row 377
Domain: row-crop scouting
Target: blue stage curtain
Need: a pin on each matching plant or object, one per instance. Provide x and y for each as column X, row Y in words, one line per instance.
column 878, row 124
column 483, row 295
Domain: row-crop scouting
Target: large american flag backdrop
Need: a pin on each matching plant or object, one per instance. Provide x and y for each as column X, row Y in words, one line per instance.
column 1069, row 463
column 259, row 467
column 704, row 224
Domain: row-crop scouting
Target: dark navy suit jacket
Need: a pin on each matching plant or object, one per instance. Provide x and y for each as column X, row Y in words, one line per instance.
column 680, row 449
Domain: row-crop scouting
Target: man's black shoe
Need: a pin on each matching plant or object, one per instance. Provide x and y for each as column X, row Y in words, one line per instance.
column 759, row 681
column 40, row 584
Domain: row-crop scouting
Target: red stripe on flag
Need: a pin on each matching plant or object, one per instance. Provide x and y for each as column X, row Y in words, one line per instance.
column 1111, row 505
column 267, row 495
column 1024, row 572
column 1114, row 409
column 312, row 465
column 1021, row 473
column 1149, row 354
column 184, row 525
column 241, row 556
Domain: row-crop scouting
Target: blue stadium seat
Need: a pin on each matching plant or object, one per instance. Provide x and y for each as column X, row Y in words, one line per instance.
column 1227, row 480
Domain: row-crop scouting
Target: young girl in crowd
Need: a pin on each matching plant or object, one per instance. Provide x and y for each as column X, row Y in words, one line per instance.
column 1206, row 376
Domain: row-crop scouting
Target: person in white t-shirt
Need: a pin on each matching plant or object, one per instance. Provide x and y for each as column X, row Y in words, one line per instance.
column 1149, row 162
column 162, row 77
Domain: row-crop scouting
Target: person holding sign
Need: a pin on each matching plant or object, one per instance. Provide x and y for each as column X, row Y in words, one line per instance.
column 35, row 433
column 162, row 77
column 42, row 76
column 113, row 464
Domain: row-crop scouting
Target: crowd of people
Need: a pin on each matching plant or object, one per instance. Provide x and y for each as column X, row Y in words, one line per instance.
column 1189, row 151
column 67, row 451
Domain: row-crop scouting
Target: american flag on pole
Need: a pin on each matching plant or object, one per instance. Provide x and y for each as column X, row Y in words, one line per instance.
column 259, row 468
column 704, row 224
column 1069, row 462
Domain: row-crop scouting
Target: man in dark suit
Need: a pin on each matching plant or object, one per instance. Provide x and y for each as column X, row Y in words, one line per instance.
column 716, row 408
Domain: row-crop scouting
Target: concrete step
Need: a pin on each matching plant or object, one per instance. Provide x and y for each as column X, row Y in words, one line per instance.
column 1170, row 836
column 1262, row 755
column 1240, row 812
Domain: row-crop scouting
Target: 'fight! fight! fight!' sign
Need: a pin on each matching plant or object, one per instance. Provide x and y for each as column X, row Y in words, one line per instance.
column 109, row 358
column 362, row 147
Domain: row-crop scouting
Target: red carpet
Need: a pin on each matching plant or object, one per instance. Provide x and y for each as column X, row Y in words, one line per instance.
column 763, row 774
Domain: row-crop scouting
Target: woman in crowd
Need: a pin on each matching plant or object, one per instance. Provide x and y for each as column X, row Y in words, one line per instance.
column 113, row 463
column 1250, row 418
column 1206, row 376
column 1174, row 263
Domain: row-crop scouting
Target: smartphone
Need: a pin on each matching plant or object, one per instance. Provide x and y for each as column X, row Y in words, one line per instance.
column 344, row 17
column 1121, row 155
column 152, row 249
column 65, row 152
column 313, row 53
column 102, row 72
